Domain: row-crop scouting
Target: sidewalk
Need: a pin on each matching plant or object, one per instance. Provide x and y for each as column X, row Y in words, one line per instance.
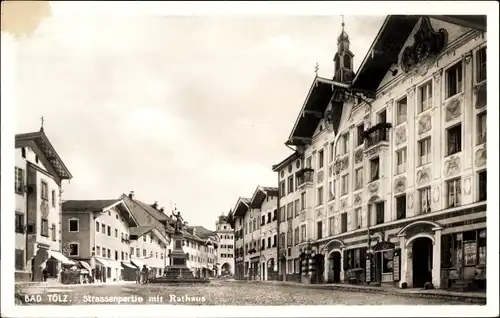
column 470, row 297
column 57, row 284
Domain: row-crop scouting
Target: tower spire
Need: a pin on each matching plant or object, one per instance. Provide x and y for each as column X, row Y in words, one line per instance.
column 343, row 57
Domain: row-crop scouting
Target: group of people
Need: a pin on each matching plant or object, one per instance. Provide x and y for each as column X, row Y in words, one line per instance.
column 142, row 275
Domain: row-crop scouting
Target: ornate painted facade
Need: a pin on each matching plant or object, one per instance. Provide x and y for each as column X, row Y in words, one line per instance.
column 395, row 161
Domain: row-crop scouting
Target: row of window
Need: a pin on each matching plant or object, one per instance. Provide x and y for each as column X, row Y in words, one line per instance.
column 260, row 245
column 226, row 236
column 144, row 253
column 254, row 225
column 226, row 255
column 226, row 246
column 100, row 228
column 31, row 228
column 19, row 185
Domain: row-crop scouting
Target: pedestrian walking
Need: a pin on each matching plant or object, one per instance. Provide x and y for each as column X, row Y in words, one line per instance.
column 144, row 274
column 138, row 276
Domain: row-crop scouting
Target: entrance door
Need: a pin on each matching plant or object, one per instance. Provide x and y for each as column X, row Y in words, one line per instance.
column 336, row 266
column 320, row 268
column 422, row 261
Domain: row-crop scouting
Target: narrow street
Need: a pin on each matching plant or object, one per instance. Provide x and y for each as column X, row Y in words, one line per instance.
column 215, row 293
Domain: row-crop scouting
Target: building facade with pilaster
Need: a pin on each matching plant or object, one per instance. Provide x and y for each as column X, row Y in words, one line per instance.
column 389, row 216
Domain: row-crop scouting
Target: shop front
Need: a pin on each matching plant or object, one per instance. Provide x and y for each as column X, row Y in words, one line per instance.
column 354, row 264
column 382, row 264
column 254, row 269
column 463, row 260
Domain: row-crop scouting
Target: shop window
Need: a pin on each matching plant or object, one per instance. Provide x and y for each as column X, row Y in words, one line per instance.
column 387, row 261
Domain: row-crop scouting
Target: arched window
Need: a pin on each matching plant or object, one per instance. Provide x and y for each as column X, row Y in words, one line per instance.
column 347, row 61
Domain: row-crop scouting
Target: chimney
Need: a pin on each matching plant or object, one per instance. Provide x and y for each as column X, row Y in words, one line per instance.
column 131, row 195
column 194, row 231
column 155, row 205
column 162, row 210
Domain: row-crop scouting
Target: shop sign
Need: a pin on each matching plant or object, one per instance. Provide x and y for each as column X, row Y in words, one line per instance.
column 396, row 260
column 368, row 269
column 470, row 253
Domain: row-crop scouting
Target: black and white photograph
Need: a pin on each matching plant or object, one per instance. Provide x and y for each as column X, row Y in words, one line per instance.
column 249, row 158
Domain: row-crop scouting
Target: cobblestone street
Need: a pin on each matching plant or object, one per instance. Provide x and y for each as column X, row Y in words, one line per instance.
column 215, row 293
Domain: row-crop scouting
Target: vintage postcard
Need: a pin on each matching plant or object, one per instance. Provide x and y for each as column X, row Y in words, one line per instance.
column 170, row 158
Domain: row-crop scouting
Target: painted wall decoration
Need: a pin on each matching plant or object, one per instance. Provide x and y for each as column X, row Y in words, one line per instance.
column 424, row 124
column 319, row 213
column 481, row 157
column 357, row 199
column 467, row 186
column 452, row 166
column 320, row 176
column 343, row 204
column 436, row 194
column 400, row 135
column 410, row 201
column 373, row 152
column 427, row 43
column 453, row 109
column 358, row 156
column 400, row 185
column 373, row 187
column 424, row 175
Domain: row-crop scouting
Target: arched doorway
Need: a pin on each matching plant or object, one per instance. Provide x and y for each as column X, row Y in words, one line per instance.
column 226, row 269
column 334, row 260
column 422, row 261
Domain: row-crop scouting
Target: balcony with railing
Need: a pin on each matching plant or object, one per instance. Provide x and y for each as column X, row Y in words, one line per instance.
column 378, row 134
column 305, row 177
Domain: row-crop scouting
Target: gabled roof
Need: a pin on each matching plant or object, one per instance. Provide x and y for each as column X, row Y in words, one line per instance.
column 100, row 206
column 384, row 51
column 88, row 205
column 313, row 109
column 140, row 230
column 392, row 36
column 202, row 232
column 286, row 161
column 260, row 195
column 241, row 207
column 141, row 213
column 41, row 145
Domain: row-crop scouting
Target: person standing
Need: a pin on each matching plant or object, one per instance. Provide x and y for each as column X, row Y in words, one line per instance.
column 144, row 274
column 138, row 276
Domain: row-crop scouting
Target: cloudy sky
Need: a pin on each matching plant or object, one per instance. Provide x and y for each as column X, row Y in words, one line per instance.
column 191, row 110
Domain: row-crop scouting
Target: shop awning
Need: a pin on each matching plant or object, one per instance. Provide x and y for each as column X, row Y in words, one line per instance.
column 137, row 263
column 60, row 257
column 115, row 264
column 104, row 262
column 85, row 265
column 128, row 265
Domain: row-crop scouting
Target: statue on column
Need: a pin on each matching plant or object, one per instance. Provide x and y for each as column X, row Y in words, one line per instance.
column 179, row 220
